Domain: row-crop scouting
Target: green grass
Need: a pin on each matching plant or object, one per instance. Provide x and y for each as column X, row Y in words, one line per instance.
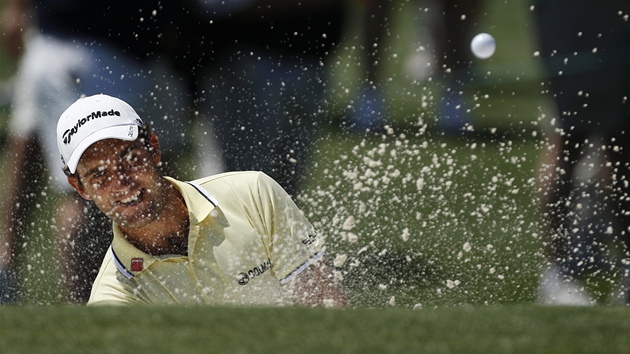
column 491, row 329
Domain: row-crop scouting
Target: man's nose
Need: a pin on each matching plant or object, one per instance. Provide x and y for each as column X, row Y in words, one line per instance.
column 122, row 179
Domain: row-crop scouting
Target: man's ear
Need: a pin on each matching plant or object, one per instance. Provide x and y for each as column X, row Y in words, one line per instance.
column 78, row 186
column 155, row 149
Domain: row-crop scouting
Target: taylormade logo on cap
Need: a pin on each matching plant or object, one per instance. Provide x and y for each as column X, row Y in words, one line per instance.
column 67, row 135
column 91, row 119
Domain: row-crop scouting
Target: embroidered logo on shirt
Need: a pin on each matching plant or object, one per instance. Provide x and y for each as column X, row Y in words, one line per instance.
column 137, row 264
column 244, row 277
column 310, row 239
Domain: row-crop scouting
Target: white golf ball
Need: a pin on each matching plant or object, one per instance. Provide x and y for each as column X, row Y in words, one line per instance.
column 483, row 45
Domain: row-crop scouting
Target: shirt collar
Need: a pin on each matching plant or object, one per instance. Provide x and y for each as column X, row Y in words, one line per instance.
column 198, row 200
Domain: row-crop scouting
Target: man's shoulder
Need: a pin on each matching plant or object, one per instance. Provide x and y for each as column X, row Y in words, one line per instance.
column 238, row 189
column 243, row 183
column 233, row 178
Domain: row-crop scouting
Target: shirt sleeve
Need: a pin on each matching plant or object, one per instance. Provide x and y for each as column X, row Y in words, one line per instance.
column 292, row 242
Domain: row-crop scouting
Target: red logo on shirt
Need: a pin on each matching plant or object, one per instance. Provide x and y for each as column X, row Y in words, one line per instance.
column 137, row 264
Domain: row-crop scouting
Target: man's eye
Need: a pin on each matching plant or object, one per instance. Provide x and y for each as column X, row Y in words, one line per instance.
column 133, row 159
column 98, row 177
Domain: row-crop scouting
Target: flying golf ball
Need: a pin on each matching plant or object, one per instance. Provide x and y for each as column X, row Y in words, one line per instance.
column 483, row 45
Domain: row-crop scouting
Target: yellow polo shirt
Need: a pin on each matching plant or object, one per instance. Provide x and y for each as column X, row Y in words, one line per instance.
column 247, row 238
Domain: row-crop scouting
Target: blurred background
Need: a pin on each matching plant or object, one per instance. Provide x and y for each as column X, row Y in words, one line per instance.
column 416, row 212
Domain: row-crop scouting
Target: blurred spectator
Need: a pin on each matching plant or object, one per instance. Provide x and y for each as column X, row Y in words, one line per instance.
column 585, row 48
column 452, row 50
column 260, row 73
column 443, row 53
column 368, row 110
column 71, row 48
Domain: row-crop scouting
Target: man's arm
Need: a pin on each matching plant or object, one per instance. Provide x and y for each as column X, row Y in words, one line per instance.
column 316, row 286
column 293, row 244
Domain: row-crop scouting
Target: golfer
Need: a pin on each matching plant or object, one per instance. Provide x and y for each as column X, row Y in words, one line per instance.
column 235, row 238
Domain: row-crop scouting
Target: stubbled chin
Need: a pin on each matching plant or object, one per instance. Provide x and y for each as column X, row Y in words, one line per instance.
column 134, row 216
column 134, row 221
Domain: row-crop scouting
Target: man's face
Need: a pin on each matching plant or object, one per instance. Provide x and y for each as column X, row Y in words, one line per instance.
column 123, row 180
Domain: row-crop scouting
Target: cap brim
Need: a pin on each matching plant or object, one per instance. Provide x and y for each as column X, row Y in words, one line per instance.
column 128, row 132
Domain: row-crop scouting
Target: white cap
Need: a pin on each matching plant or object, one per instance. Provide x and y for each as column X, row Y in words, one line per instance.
column 92, row 119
